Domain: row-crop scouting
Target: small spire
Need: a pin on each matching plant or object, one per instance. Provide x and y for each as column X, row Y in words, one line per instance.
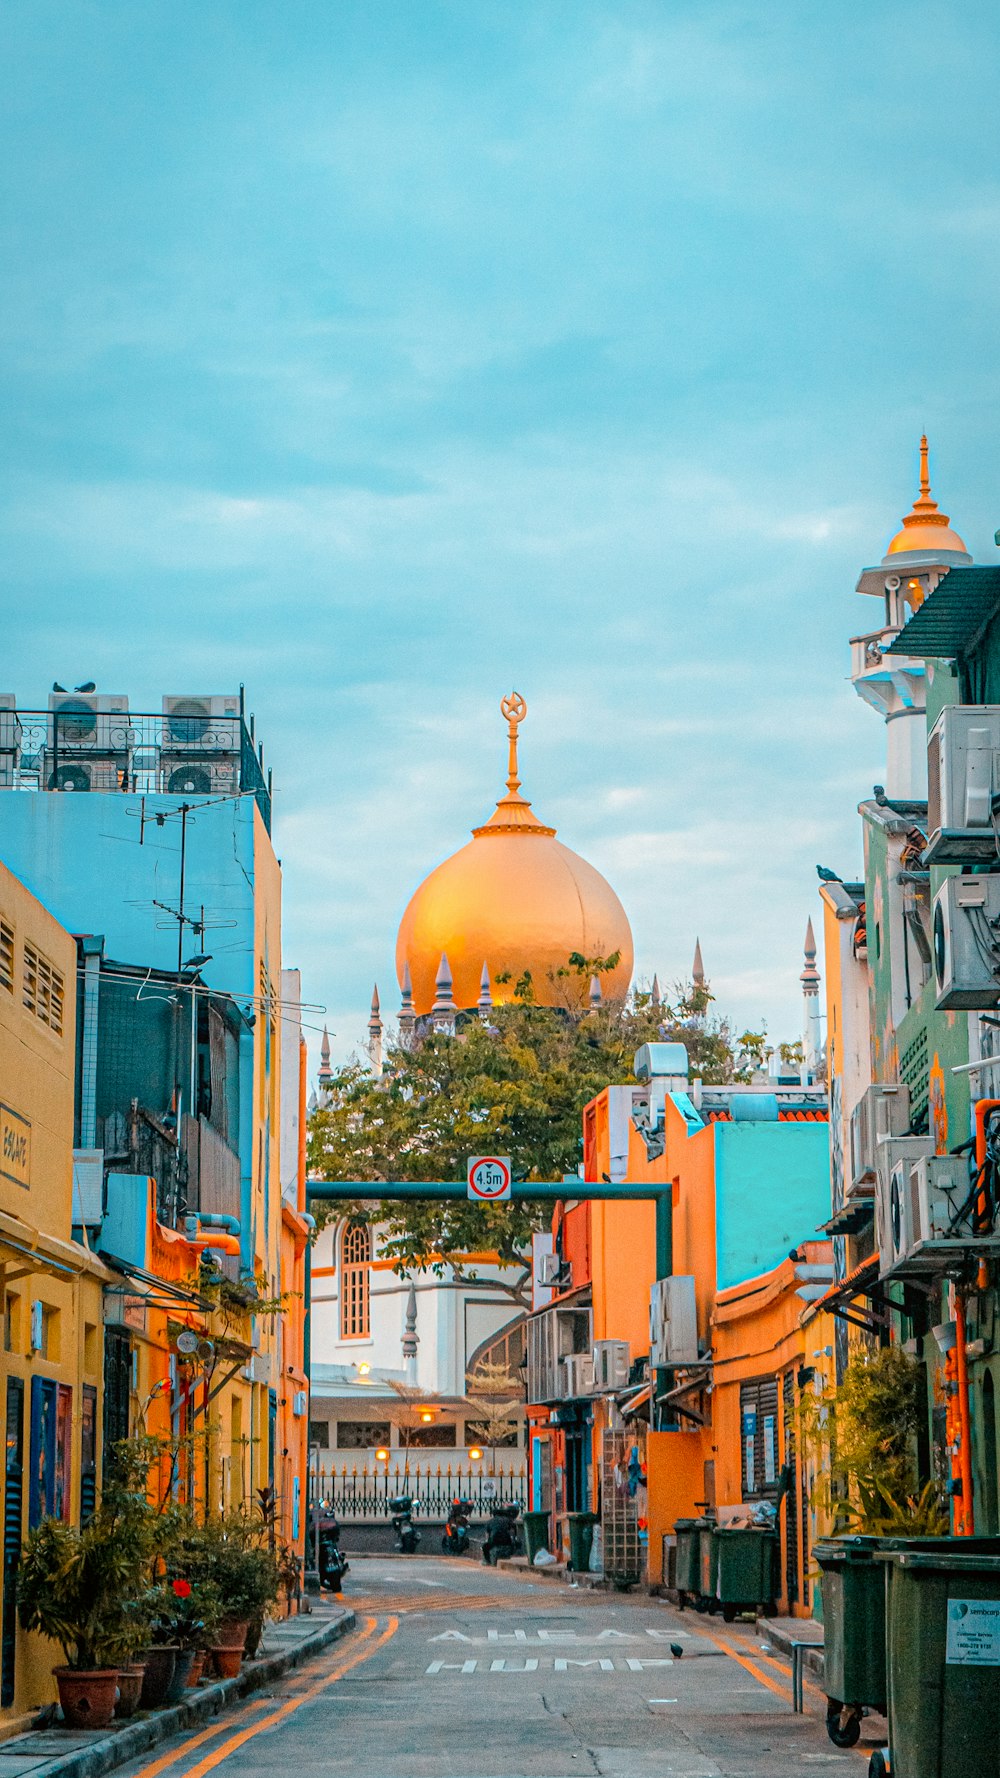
column 655, row 997
column 513, row 813
column 375, row 1033
column 407, row 1016
column 925, row 510
column 698, row 967
column 444, row 1009
column 596, row 997
column 484, row 1005
column 810, row 974
column 325, row 1071
column 411, row 1338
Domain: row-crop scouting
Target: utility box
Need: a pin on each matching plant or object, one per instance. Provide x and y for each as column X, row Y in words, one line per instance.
column 963, row 776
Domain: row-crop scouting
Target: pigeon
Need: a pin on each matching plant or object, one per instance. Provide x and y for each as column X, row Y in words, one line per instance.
column 89, row 686
column 827, row 876
column 58, row 687
column 676, row 1650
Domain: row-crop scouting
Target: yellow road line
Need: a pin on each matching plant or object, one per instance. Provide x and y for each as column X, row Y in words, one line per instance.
column 756, row 1672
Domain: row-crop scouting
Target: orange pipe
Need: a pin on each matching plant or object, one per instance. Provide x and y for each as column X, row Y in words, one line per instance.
column 218, row 1239
column 300, row 1198
column 965, row 1522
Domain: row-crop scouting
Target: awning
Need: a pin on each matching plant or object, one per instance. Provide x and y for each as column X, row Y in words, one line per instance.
column 851, row 1218
column 635, row 1399
column 675, row 1397
column 841, row 1298
column 953, row 618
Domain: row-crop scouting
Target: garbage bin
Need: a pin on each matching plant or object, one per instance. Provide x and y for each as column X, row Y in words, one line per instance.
column 708, row 1566
column 581, row 1536
column 747, row 1568
column 536, row 1533
column 943, row 1661
column 853, row 1586
column 688, row 1572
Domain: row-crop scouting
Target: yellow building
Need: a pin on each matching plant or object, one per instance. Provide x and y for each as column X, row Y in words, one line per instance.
column 52, row 1358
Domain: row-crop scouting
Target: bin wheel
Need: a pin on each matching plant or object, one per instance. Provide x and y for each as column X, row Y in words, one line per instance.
column 681, row 1601
column 878, row 1765
column 701, row 1603
column 843, row 1723
column 730, row 1613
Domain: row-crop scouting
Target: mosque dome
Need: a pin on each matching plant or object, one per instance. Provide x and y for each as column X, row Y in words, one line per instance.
column 926, row 531
column 513, row 899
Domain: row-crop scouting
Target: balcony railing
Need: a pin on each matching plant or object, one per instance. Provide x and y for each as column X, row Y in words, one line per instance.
column 356, row 1494
column 182, row 756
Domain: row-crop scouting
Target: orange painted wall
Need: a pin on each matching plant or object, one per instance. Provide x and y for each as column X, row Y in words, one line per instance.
column 676, row 1474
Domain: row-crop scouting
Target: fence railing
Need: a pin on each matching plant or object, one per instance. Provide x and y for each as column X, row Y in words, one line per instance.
column 355, row 1494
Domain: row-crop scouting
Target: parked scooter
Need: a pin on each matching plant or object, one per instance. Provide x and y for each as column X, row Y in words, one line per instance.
column 455, row 1538
column 501, row 1537
column 407, row 1535
column 333, row 1564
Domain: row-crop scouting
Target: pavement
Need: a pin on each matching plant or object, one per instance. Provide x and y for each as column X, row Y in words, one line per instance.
column 458, row 1671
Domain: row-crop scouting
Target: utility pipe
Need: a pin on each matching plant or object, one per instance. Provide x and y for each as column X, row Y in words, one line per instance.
column 300, row 1191
column 965, row 1517
column 210, row 1219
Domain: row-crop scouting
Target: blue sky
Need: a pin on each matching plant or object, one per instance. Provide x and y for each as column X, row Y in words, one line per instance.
column 385, row 355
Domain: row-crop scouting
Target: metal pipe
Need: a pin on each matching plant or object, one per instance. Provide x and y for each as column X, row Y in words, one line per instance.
column 210, row 1219
column 526, row 1191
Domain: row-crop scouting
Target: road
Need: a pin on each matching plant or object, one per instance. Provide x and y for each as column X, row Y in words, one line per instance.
column 457, row 1671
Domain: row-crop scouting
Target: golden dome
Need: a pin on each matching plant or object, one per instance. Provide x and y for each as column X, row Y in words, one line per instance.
column 514, row 899
column 926, row 530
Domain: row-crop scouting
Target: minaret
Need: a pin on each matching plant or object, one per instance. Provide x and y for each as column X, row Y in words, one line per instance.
column 375, row 1034
column 655, row 997
column 324, row 1079
column 407, row 1017
column 411, row 1338
column 444, row 1010
column 812, row 1041
column 698, row 967
column 917, row 558
column 484, row 1005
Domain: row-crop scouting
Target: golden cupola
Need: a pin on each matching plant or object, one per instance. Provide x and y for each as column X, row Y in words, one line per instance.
column 514, row 900
column 926, row 530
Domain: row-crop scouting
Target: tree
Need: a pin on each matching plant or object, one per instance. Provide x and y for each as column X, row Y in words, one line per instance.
column 517, row 1087
column 492, row 1391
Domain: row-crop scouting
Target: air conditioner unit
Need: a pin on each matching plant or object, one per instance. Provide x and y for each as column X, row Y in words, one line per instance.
column 84, row 774
column 673, row 1322
column 88, row 742
column 10, row 738
column 579, row 1368
column 882, row 1111
column 549, row 1268
column 924, row 1216
column 963, row 776
column 611, row 1364
column 200, row 752
column 88, row 1187
column 966, row 937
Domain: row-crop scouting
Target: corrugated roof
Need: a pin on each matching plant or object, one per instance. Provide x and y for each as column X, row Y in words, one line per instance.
column 953, row 619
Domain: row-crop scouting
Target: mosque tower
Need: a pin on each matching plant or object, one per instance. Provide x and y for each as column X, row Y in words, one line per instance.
column 513, row 900
column 917, row 558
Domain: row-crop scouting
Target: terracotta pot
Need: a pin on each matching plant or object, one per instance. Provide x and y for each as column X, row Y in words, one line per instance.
column 227, row 1662
column 87, row 1697
column 159, row 1672
column 232, row 1633
column 197, row 1666
column 179, row 1678
column 129, row 1689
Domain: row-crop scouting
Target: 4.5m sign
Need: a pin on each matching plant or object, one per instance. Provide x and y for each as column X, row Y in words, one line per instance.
column 489, row 1177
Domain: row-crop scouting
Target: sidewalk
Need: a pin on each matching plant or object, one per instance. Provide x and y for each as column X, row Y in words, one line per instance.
column 781, row 1632
column 72, row 1753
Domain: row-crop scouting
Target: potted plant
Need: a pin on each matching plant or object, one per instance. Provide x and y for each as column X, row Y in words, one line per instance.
column 229, row 1555
column 188, row 1613
column 80, row 1588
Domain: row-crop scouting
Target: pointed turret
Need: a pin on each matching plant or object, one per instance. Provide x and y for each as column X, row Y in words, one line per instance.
column 444, row 1010
column 655, row 997
column 812, row 1041
column 375, row 1033
column 411, row 1338
column 484, row 1005
column 407, row 1017
column 596, row 997
column 325, row 1076
column 698, row 967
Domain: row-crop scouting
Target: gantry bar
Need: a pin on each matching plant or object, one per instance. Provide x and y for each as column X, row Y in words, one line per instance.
column 530, row 1191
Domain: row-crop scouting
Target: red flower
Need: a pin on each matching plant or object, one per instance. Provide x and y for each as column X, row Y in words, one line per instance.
column 182, row 1588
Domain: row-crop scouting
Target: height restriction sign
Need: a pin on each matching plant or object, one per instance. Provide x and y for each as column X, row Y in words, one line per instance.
column 489, row 1177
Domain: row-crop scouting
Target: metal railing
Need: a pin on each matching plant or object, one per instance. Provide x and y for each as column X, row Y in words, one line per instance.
column 183, row 756
column 360, row 1495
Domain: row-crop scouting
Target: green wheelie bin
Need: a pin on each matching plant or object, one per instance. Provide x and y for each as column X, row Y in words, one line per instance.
column 747, row 1568
column 581, row 1536
column 708, row 1566
column 853, row 1585
column 536, row 1533
column 943, row 1661
column 688, row 1561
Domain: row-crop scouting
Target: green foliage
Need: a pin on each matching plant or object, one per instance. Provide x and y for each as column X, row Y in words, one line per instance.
column 517, row 1087
column 186, row 1613
column 230, row 1555
column 878, row 1513
column 864, row 1434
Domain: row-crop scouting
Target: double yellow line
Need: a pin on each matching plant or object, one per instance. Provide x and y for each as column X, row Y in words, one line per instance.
column 365, row 1644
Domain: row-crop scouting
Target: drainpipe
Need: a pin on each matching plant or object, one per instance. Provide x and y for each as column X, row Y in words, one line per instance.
column 965, row 1516
column 199, row 1227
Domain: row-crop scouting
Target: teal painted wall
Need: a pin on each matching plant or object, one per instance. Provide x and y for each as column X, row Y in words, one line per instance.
column 772, row 1190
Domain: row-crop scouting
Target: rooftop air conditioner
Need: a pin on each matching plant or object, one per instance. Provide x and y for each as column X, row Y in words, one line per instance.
column 553, row 1335
column 579, row 1369
column 611, row 1364
column 200, row 753
column 925, row 1216
column 882, row 1111
column 966, row 937
column 673, row 1322
column 963, row 776
column 89, row 741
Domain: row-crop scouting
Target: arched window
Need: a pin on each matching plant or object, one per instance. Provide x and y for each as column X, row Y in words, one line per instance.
column 355, row 1266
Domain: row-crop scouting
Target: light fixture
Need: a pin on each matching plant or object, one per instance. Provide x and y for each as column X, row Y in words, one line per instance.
column 363, row 1370
column 381, row 1455
column 475, row 1454
column 427, row 1416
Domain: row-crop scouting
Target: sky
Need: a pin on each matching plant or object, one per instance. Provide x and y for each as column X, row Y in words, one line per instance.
column 383, row 355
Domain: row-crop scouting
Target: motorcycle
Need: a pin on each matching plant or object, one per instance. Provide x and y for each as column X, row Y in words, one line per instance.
column 501, row 1536
column 407, row 1535
column 455, row 1538
column 333, row 1564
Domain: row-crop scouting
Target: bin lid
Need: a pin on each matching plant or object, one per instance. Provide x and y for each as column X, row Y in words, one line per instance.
column 853, row 1548
column 948, row 1560
column 745, row 1530
column 686, row 1524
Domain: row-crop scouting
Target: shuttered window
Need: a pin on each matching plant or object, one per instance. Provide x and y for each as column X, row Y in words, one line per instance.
column 355, row 1267
column 43, row 989
column 759, row 1429
column 6, row 956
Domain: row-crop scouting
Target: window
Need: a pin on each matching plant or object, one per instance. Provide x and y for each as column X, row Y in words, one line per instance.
column 428, row 1437
column 759, row 1424
column 362, row 1435
column 6, row 956
column 478, row 1432
column 319, row 1435
column 43, row 989
column 355, row 1267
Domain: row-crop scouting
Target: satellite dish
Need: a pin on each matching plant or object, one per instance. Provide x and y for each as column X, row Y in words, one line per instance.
column 206, row 1350
column 187, row 1342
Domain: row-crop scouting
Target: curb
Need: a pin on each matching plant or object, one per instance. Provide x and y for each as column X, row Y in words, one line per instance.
column 128, row 1742
column 782, row 1641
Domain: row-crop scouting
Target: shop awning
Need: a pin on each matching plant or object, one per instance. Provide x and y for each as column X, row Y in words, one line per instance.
column 634, row 1400
column 851, row 1218
column 841, row 1298
column 676, row 1397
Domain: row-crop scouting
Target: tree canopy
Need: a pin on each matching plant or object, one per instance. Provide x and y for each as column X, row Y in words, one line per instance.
column 517, row 1086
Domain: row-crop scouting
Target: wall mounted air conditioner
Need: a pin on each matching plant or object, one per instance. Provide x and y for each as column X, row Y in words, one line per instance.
column 673, row 1322
column 549, row 1267
column 89, row 741
column 924, row 1216
column 579, row 1370
column 963, row 776
column 200, row 752
column 10, row 738
column 88, row 1187
column 611, row 1364
column 553, row 1335
column 966, row 938
column 882, row 1111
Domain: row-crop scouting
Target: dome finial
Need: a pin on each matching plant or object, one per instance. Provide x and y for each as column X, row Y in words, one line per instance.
column 925, row 474
column 513, row 813
column 514, row 709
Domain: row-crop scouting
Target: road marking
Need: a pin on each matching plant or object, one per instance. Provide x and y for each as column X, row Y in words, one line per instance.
column 235, row 1741
column 754, row 1671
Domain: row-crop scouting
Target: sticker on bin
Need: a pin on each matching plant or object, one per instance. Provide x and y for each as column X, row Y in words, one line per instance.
column 973, row 1633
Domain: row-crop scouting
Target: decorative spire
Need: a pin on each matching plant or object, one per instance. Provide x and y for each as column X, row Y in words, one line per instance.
column 407, row 1016
column 655, row 997
column 812, row 1036
column 513, row 813
column 444, row 1010
column 375, row 1033
column 698, row 967
column 810, row 974
column 484, row 1005
column 411, row 1338
column 925, row 510
column 325, row 1075
column 596, row 997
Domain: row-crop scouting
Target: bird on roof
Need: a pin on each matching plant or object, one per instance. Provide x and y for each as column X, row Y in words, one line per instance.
column 828, row 876
column 57, row 687
column 88, row 686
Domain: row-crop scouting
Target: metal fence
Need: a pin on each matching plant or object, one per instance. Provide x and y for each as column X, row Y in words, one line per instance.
column 360, row 1496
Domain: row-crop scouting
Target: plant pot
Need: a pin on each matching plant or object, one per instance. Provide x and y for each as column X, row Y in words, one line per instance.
column 232, row 1633
column 179, row 1678
column 197, row 1666
column 159, row 1672
column 129, row 1689
column 254, row 1634
column 87, row 1696
column 227, row 1662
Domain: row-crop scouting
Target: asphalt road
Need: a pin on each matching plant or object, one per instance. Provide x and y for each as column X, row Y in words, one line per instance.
column 456, row 1671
